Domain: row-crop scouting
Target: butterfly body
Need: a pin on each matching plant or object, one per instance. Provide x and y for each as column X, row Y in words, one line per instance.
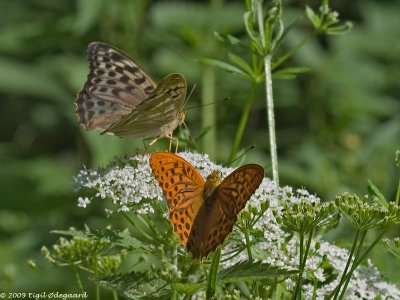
column 119, row 98
column 203, row 212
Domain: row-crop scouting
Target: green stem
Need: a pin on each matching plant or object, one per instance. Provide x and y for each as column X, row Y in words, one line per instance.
column 304, row 261
column 301, row 248
column 243, row 122
column 314, row 296
column 248, row 246
column 78, row 278
column 271, row 118
column 268, row 92
column 115, row 295
column 372, row 246
column 290, row 53
column 398, row 193
column 337, row 288
column 358, row 260
column 354, row 265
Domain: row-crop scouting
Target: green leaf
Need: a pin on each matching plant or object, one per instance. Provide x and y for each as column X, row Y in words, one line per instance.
column 212, row 274
column 253, row 270
column 289, row 73
column 312, row 17
column 71, row 232
column 287, row 29
column 223, row 65
column 248, row 24
column 189, row 288
column 136, row 285
column 229, row 39
column 372, row 189
column 240, row 62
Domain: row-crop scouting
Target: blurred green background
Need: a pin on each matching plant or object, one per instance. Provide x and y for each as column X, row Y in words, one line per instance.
column 337, row 125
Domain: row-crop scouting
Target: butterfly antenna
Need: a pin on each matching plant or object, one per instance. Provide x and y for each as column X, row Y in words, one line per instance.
column 240, row 156
column 190, row 94
column 192, row 141
column 211, row 103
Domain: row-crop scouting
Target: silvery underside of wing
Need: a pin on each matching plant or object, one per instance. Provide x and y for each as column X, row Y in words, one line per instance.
column 158, row 115
column 116, row 84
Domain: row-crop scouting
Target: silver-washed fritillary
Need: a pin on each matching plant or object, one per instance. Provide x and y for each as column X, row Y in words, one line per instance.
column 120, row 98
column 203, row 212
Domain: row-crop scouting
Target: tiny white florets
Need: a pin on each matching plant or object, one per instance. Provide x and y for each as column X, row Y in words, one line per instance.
column 133, row 187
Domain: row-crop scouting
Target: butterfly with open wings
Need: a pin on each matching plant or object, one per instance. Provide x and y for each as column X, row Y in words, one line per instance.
column 203, row 212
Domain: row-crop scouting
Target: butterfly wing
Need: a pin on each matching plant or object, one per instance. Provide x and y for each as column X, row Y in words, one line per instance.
column 237, row 188
column 115, row 85
column 182, row 187
column 157, row 116
column 216, row 220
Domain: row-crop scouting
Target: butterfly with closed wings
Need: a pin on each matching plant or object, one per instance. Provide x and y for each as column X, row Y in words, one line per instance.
column 119, row 98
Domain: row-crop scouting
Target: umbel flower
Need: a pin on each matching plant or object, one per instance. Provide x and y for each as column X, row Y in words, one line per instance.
column 131, row 186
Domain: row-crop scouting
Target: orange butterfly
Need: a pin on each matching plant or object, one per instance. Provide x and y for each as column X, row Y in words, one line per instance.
column 203, row 212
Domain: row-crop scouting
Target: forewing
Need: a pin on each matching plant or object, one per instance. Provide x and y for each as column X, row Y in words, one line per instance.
column 216, row 221
column 182, row 187
column 238, row 187
column 115, row 85
column 157, row 116
column 218, row 216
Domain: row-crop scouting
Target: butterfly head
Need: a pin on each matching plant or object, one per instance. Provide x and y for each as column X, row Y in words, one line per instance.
column 212, row 182
column 181, row 117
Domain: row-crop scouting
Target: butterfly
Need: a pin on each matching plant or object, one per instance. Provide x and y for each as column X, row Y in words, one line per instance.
column 119, row 98
column 203, row 212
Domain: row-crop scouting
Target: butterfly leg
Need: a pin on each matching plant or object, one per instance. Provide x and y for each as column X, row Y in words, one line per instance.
column 172, row 139
column 146, row 147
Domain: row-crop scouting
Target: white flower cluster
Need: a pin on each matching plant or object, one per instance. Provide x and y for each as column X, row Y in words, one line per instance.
column 134, row 186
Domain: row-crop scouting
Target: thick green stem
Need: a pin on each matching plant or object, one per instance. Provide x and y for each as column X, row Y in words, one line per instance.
column 243, row 122
column 268, row 91
column 271, row 118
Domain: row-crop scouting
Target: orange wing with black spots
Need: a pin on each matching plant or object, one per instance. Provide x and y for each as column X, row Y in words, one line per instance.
column 182, row 187
column 203, row 223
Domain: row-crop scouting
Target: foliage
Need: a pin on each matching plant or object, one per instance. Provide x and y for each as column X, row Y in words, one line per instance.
column 278, row 235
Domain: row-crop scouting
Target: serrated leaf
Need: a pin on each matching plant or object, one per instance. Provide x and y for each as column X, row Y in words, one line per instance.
column 253, row 270
column 189, row 288
column 136, row 285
